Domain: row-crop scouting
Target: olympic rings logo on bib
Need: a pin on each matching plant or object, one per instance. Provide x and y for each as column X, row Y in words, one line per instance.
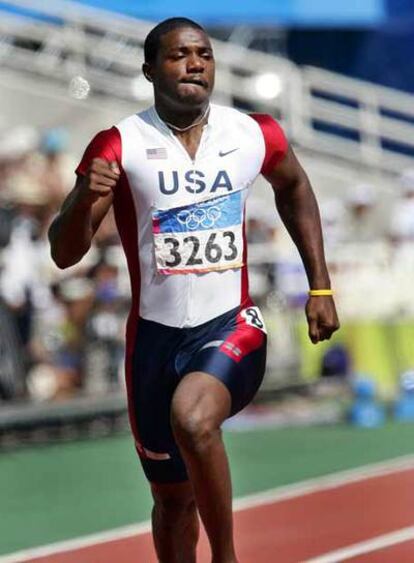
column 199, row 237
column 195, row 218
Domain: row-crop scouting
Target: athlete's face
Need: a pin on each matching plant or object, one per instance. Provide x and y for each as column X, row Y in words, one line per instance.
column 183, row 73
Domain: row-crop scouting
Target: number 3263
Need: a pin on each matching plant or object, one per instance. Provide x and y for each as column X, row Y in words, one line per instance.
column 213, row 252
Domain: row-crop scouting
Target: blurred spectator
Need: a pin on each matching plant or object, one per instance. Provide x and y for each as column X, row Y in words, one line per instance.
column 106, row 326
column 59, row 346
column 12, row 370
column 402, row 215
column 77, row 297
column 353, row 220
column 362, row 223
column 20, row 277
column 55, row 165
column 333, row 218
column 262, row 228
column 17, row 145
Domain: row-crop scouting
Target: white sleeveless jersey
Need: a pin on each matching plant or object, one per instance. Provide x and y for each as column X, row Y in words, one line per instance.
column 181, row 220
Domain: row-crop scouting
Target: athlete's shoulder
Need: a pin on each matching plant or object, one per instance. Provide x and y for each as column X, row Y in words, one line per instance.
column 268, row 125
column 106, row 139
column 275, row 140
column 106, row 144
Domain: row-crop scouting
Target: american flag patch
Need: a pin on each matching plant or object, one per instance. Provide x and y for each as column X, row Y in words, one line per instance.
column 158, row 153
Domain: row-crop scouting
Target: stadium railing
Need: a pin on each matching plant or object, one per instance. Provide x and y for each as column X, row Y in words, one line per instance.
column 358, row 121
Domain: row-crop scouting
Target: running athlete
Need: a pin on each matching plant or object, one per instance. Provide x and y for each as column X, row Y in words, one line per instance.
column 177, row 175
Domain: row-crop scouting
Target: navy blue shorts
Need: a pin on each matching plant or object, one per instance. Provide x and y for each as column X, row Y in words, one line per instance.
column 231, row 347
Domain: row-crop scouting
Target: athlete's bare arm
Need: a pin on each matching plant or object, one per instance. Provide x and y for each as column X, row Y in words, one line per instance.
column 299, row 212
column 81, row 213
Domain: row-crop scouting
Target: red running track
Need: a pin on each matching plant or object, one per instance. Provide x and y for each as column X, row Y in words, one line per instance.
column 295, row 529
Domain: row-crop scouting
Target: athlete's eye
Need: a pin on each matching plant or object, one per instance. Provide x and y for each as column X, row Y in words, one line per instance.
column 177, row 56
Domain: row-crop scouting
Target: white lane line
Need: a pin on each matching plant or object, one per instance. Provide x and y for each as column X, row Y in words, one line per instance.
column 368, row 546
column 278, row 494
column 78, row 543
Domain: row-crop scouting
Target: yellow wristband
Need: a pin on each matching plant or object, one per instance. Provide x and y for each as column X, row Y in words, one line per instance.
column 320, row 292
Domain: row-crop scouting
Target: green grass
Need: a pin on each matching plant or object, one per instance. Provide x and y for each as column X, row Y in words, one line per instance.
column 56, row 492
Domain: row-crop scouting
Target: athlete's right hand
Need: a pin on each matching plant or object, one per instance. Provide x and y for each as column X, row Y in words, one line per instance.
column 101, row 177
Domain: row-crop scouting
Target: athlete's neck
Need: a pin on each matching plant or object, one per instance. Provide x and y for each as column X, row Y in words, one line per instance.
column 183, row 121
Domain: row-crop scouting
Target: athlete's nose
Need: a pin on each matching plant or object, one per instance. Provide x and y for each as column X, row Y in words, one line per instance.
column 195, row 64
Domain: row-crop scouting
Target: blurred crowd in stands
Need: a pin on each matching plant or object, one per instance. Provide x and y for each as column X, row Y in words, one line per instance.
column 56, row 326
column 62, row 332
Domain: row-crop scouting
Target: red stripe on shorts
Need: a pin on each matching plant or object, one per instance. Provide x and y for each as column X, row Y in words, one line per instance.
column 243, row 340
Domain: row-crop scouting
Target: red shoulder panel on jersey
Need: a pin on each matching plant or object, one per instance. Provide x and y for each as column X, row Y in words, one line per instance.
column 106, row 145
column 275, row 141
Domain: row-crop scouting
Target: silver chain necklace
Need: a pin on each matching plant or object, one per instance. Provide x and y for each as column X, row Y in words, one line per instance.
column 183, row 129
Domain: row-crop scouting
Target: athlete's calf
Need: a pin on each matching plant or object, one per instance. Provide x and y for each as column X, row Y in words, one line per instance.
column 175, row 522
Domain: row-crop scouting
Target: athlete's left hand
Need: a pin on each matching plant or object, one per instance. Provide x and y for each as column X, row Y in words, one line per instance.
column 322, row 318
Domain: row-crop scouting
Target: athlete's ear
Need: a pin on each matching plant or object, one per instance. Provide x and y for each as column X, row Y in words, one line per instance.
column 146, row 69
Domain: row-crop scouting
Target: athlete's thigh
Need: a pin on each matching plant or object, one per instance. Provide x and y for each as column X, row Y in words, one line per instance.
column 200, row 401
column 153, row 383
column 235, row 353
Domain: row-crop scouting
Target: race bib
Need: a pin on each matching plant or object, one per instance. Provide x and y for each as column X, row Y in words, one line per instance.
column 200, row 237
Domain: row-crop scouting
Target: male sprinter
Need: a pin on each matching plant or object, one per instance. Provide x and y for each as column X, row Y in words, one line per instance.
column 178, row 175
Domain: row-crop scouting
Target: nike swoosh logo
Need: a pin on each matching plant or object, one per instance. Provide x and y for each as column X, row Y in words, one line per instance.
column 225, row 153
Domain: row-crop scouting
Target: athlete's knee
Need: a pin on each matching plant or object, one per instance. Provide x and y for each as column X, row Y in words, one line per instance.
column 174, row 513
column 194, row 429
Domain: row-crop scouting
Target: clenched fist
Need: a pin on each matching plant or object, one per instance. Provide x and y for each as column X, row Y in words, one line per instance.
column 101, row 177
column 322, row 318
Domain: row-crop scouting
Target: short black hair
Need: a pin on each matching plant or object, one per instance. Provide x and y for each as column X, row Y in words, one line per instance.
column 152, row 41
